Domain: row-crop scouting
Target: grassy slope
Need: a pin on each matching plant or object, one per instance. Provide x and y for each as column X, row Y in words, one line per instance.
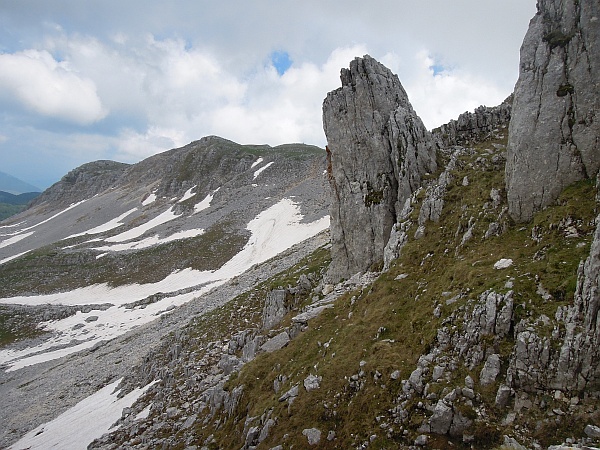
column 391, row 324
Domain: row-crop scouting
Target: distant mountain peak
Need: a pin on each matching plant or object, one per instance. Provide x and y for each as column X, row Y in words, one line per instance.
column 13, row 185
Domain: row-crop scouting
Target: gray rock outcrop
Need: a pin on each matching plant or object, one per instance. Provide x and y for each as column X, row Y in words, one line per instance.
column 378, row 151
column 475, row 125
column 90, row 179
column 554, row 129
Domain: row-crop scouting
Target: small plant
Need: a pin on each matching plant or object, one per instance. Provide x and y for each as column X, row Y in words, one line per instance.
column 557, row 38
column 564, row 90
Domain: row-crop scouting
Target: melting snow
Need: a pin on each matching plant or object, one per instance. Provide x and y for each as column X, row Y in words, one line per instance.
column 15, row 239
column 259, row 171
column 257, row 162
column 272, row 231
column 77, row 427
column 150, row 241
column 204, row 204
column 22, row 234
column 188, row 194
column 110, row 225
column 139, row 230
column 10, row 258
column 150, row 199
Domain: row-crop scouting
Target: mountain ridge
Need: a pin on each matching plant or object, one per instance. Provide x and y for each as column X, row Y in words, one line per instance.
column 13, row 185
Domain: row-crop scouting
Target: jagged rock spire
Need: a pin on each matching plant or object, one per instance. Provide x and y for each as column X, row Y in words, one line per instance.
column 554, row 136
column 378, row 150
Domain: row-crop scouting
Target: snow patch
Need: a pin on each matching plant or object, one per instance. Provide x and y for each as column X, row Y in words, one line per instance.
column 77, row 427
column 10, row 258
column 110, row 225
column 262, row 169
column 257, row 162
column 15, row 239
column 205, row 204
column 188, row 194
column 73, row 205
column 150, row 199
column 151, row 241
column 141, row 229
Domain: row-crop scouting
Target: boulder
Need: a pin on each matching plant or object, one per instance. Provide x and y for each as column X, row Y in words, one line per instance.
column 313, row 435
column 276, row 342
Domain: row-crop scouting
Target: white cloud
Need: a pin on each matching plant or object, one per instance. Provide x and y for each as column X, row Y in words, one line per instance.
column 438, row 98
column 133, row 146
column 50, row 88
column 286, row 108
column 176, row 74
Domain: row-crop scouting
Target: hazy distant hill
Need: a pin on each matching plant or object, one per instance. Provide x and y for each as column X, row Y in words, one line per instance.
column 13, row 185
column 11, row 204
column 19, row 199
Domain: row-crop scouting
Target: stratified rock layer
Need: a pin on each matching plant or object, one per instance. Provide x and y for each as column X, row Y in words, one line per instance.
column 378, row 151
column 555, row 128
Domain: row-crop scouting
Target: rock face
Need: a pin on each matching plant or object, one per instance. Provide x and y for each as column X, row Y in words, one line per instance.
column 554, row 129
column 91, row 178
column 378, row 151
column 474, row 125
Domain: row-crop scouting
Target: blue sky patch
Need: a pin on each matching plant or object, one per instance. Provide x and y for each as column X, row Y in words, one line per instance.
column 281, row 61
column 437, row 69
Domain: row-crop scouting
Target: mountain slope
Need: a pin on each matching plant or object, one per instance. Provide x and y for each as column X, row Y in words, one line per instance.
column 192, row 295
column 112, row 248
column 388, row 363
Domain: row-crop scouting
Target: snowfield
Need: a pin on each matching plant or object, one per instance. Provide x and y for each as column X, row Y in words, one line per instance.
column 110, row 225
column 77, row 427
column 272, row 231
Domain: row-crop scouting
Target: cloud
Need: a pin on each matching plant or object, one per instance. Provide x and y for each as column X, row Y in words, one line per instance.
column 50, row 88
column 133, row 146
column 183, row 70
column 284, row 108
column 439, row 96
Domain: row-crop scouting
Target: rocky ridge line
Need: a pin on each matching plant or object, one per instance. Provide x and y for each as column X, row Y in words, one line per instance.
column 475, row 126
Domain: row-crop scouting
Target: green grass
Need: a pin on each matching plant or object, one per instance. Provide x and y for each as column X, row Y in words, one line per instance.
column 16, row 325
column 391, row 324
column 51, row 269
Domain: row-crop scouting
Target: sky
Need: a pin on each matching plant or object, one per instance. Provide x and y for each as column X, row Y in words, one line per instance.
column 123, row 80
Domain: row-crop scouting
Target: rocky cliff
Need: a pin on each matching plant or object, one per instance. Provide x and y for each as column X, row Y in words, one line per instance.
column 378, row 152
column 475, row 126
column 555, row 126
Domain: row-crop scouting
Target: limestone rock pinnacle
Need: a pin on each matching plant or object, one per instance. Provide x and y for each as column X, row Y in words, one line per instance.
column 378, row 151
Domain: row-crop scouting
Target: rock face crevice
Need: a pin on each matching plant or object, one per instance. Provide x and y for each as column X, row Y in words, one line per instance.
column 378, row 149
column 554, row 129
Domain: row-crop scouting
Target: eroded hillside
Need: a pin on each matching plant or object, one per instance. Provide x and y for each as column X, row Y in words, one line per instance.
column 424, row 355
